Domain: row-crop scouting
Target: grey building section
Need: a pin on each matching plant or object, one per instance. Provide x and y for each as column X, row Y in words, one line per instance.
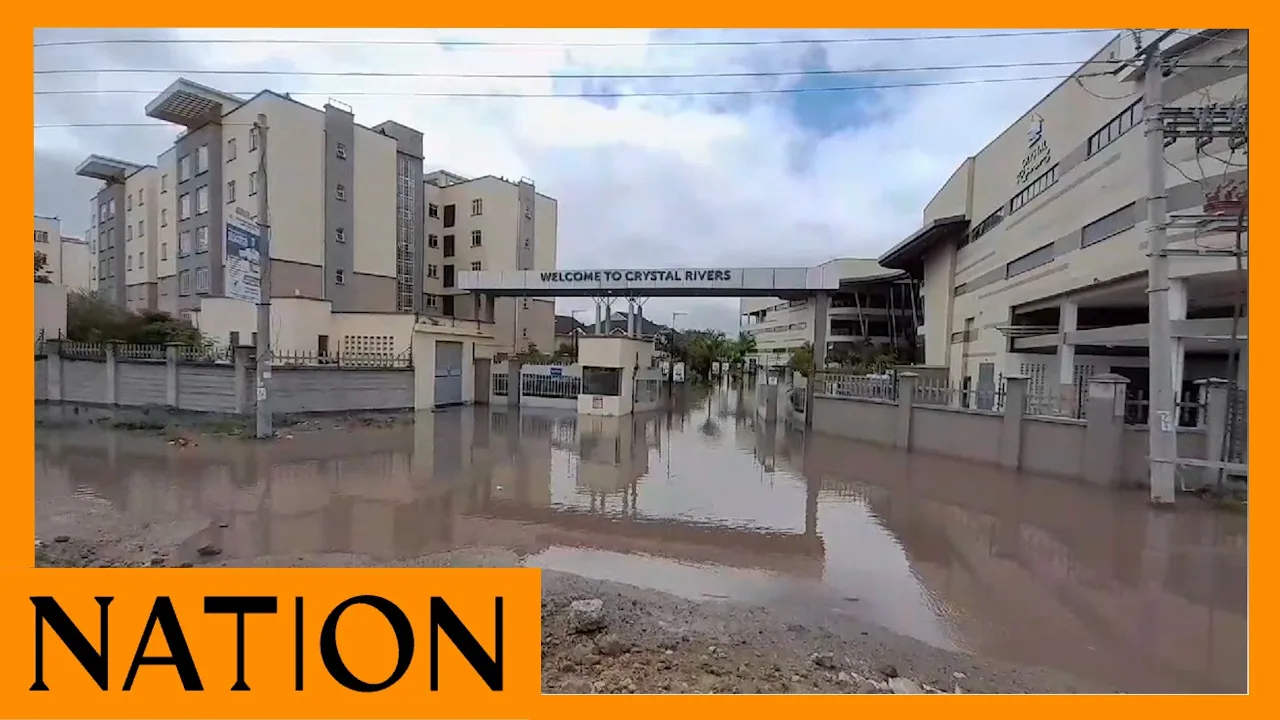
column 410, row 215
column 209, row 258
column 111, row 250
column 527, row 197
column 339, row 206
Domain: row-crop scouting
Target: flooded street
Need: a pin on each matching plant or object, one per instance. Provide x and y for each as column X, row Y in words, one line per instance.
column 705, row 503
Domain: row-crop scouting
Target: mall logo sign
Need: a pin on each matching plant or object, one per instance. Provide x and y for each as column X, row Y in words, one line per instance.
column 1038, row 154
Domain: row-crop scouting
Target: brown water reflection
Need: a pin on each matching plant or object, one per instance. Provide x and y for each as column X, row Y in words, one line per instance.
column 703, row 502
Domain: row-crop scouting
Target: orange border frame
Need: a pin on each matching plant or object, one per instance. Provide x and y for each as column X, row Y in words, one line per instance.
column 17, row 523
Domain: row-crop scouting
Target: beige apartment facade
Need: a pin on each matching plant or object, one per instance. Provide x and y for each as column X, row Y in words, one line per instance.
column 349, row 211
column 1033, row 255
column 68, row 261
column 490, row 223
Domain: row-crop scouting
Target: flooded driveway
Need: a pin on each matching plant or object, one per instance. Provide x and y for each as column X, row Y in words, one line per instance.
column 703, row 501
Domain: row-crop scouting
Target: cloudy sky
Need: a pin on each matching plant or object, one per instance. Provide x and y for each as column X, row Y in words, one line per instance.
column 655, row 171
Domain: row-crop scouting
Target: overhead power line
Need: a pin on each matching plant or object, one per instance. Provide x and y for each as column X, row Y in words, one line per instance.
column 615, row 95
column 552, row 44
column 567, row 76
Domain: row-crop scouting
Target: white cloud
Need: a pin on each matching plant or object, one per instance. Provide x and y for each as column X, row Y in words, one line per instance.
column 647, row 180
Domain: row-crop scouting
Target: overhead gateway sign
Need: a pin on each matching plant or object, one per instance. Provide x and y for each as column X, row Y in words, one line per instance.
column 553, row 277
column 722, row 282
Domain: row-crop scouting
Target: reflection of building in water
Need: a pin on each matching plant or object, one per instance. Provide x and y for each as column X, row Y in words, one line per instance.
column 519, row 451
column 1104, row 587
column 613, row 454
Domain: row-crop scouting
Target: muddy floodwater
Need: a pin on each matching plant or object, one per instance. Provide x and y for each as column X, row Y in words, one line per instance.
column 704, row 502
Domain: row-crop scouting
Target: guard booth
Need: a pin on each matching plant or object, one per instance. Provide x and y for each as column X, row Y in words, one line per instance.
column 619, row 376
column 444, row 364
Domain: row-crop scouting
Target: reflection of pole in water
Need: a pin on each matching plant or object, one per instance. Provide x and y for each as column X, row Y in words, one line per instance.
column 812, row 486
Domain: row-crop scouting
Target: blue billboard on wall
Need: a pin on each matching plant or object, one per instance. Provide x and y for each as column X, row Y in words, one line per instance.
column 243, row 258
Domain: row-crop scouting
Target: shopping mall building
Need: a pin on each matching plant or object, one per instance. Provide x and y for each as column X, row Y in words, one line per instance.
column 1033, row 256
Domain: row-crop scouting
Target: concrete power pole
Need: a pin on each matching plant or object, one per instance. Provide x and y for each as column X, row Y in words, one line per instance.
column 263, row 362
column 1162, row 420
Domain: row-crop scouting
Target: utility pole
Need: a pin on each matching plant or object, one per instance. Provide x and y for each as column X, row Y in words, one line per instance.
column 263, row 361
column 1162, row 420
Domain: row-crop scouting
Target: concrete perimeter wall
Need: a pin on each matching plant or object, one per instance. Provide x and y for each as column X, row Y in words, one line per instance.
column 129, row 376
column 1099, row 448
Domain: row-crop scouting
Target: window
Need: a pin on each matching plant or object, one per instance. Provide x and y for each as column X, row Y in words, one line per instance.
column 142, row 256
column 202, row 239
column 111, row 207
column 448, row 279
column 184, row 282
column 342, row 151
column 184, row 243
column 339, row 277
column 1034, row 188
column 42, row 236
column 433, row 210
column 128, row 233
column 433, row 241
column 164, row 183
column 450, row 213
column 142, row 228
column 141, row 198
column 128, row 201
column 987, row 225
column 433, row 271
column 231, row 149
column 128, row 262
column 448, row 246
column 235, row 338
column 164, row 217
column 184, row 168
column 1040, row 256
column 253, row 139
column 602, row 381
column 1108, row 225
column 475, row 266
column 1115, row 127
column 184, row 206
column 164, row 251
column 102, row 212
column 253, row 183
column 202, row 280
column 231, row 191
column 432, row 301
column 340, row 235
column 475, row 238
column 477, row 207
column 202, row 200
column 202, row 159
column 340, row 192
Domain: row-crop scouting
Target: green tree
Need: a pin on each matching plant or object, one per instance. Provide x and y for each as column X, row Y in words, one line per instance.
column 42, row 268
column 802, row 360
column 91, row 318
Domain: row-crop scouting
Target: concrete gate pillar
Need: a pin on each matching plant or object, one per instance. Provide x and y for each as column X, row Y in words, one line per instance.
column 1104, row 429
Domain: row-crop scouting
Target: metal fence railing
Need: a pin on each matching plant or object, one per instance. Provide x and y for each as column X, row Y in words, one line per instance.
column 550, row 386
column 499, row 384
column 290, row 358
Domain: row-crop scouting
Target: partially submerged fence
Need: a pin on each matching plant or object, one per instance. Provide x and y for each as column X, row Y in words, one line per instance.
column 1011, row 427
column 181, row 377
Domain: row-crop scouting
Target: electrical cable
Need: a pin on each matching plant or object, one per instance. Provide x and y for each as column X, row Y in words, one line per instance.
column 550, row 44
column 561, row 76
column 674, row 93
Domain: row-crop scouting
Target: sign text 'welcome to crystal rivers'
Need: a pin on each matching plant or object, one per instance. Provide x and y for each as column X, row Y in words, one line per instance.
column 659, row 276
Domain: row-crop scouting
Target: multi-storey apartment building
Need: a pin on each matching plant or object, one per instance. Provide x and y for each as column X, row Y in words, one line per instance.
column 873, row 306
column 490, row 223
column 356, row 231
column 1033, row 255
column 67, row 259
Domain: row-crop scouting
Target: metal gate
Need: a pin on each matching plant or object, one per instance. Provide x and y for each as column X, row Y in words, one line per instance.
column 986, row 399
column 448, row 373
